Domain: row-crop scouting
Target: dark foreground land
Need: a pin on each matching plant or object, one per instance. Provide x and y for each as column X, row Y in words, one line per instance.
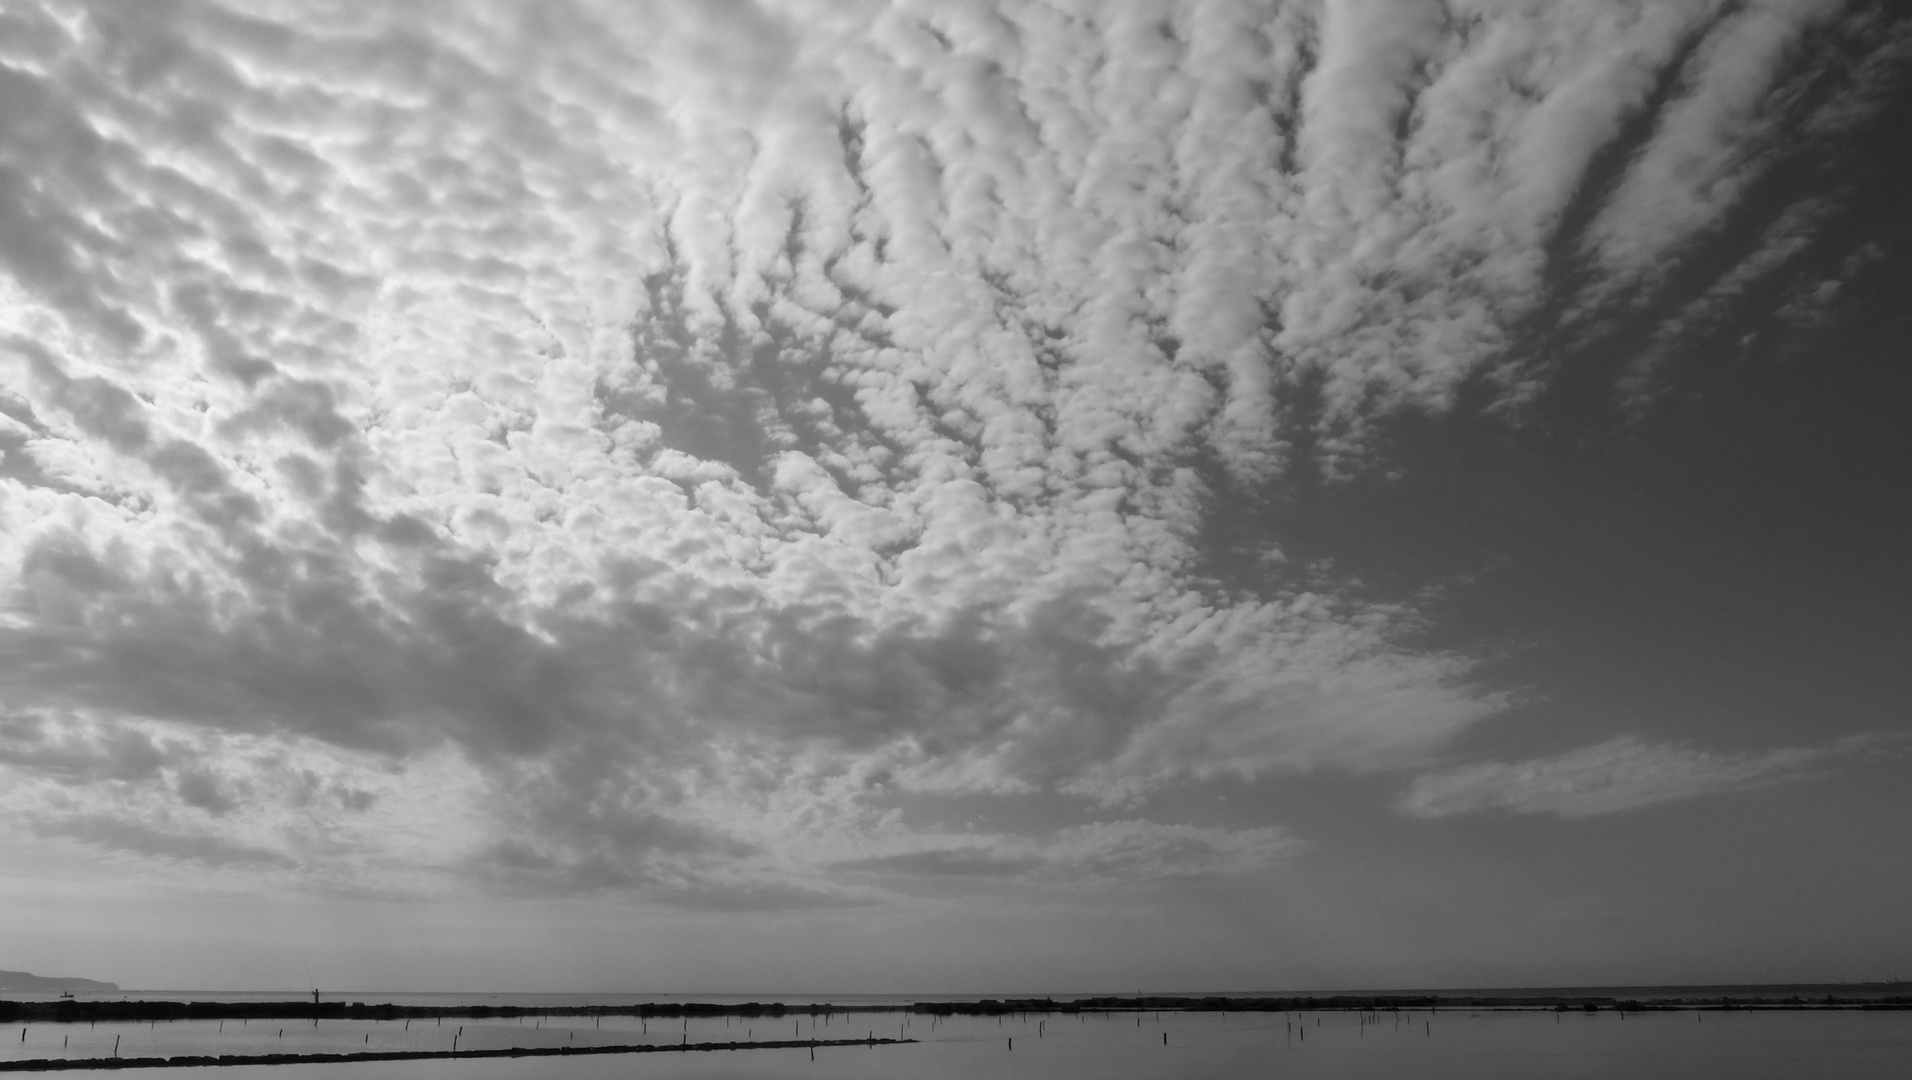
column 194, row 1061
column 1892, row 996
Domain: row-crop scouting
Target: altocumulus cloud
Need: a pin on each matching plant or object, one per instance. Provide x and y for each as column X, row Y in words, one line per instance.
column 637, row 447
column 1620, row 774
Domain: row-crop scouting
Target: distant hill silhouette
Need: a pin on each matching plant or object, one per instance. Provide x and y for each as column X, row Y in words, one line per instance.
column 43, row 984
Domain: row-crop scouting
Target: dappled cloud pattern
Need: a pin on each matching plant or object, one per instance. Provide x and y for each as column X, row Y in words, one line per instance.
column 663, row 448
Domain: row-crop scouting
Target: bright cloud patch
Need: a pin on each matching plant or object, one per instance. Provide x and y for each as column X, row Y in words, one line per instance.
column 1620, row 774
column 669, row 433
column 1113, row 851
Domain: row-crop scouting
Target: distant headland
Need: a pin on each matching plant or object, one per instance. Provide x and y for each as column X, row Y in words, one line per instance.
column 50, row 984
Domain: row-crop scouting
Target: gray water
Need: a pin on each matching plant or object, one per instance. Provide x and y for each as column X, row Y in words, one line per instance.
column 1479, row 1045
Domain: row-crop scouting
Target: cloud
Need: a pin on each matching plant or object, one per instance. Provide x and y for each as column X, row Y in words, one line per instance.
column 176, row 799
column 114, row 752
column 1131, row 851
column 1620, row 774
column 128, row 837
column 652, row 421
column 202, row 789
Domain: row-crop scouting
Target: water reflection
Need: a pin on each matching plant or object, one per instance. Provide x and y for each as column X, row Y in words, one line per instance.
column 1481, row 1044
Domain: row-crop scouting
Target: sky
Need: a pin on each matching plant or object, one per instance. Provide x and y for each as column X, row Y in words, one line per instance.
column 955, row 497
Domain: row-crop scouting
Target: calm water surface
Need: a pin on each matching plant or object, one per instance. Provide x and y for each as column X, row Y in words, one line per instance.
column 1479, row 1046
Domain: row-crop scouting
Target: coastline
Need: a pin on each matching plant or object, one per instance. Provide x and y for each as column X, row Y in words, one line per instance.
column 85, row 1011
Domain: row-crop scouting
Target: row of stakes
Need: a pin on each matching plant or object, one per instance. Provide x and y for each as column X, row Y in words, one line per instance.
column 1367, row 1017
column 797, row 1031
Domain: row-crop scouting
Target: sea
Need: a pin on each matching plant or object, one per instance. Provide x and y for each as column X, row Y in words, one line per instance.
column 1475, row 1044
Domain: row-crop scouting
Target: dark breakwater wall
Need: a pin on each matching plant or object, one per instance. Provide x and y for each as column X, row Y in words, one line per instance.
column 73, row 1011
column 54, row 1064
